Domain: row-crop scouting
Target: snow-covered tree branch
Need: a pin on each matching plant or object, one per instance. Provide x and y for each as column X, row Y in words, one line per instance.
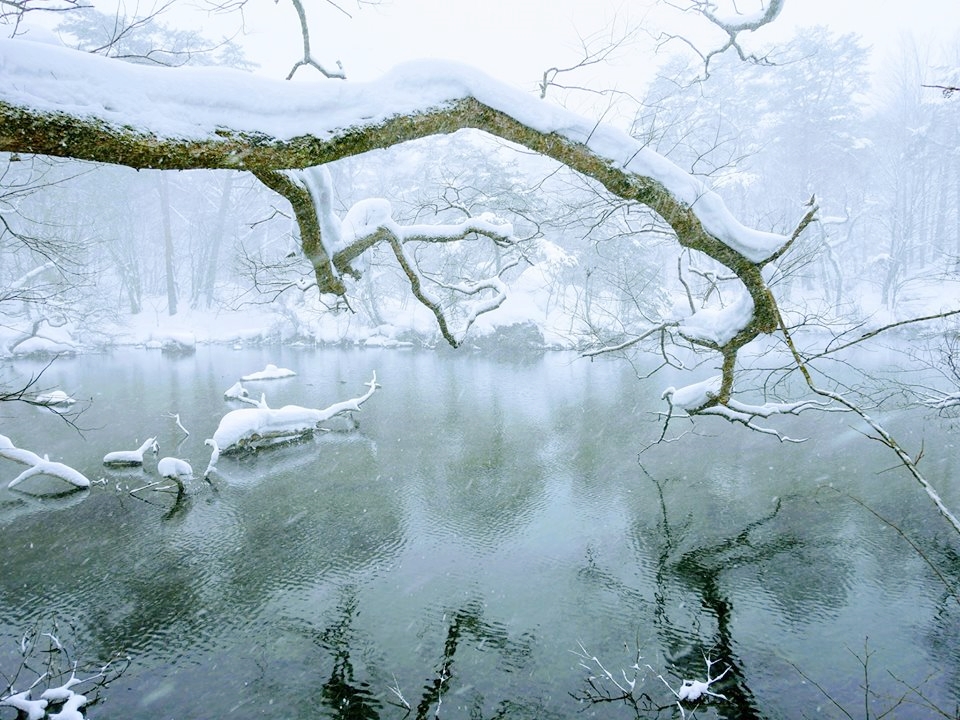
column 68, row 104
column 731, row 21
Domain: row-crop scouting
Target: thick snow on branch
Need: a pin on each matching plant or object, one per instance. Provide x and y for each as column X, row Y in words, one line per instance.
column 319, row 184
column 733, row 20
column 69, row 702
column 39, row 465
column 719, row 325
column 695, row 396
column 210, row 104
column 21, row 702
column 252, row 428
column 365, row 217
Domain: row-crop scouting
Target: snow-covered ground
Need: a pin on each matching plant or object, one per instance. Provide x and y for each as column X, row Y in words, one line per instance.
column 523, row 317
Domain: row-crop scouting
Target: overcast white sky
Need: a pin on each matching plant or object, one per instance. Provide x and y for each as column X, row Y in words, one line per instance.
column 516, row 40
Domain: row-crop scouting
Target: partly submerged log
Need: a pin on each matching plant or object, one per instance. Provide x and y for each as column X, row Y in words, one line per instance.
column 257, row 427
column 39, row 465
column 131, row 457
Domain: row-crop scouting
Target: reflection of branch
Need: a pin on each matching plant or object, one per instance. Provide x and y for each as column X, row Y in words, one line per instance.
column 871, row 696
column 466, row 621
column 916, row 548
column 698, row 570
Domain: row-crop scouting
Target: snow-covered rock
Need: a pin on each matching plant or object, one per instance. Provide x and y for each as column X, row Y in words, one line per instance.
column 270, row 372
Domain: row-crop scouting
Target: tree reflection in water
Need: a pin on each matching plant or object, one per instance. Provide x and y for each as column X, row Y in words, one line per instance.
column 350, row 697
column 693, row 651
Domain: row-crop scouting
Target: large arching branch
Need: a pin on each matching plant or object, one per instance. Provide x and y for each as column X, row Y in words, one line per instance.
column 62, row 103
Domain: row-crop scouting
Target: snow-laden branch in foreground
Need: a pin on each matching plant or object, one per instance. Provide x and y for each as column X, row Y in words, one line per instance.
column 58, row 102
column 255, row 428
column 45, row 698
column 746, row 414
column 39, row 465
column 718, row 326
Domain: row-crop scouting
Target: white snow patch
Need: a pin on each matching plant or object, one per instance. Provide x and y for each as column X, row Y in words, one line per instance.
column 270, row 372
column 694, row 396
column 719, row 325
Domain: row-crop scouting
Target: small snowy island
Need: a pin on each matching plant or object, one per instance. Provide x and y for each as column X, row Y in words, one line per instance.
column 270, row 372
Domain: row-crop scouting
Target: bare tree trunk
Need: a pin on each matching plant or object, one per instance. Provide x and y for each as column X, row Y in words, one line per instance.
column 209, row 280
column 167, row 244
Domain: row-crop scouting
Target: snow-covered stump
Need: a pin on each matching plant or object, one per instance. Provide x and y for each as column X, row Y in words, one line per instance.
column 171, row 468
column 254, row 428
column 39, row 466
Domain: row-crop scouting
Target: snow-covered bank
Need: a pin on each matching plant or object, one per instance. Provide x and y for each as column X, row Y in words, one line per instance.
column 521, row 321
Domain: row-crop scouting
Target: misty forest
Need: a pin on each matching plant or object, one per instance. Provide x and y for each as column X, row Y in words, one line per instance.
column 438, row 396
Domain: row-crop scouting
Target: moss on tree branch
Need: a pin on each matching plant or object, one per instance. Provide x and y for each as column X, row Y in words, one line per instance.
column 86, row 138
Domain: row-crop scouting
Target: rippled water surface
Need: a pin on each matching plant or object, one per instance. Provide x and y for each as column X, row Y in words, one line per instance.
column 488, row 521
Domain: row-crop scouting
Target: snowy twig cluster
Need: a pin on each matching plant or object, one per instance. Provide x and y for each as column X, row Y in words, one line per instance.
column 730, row 21
column 52, row 694
column 628, row 685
